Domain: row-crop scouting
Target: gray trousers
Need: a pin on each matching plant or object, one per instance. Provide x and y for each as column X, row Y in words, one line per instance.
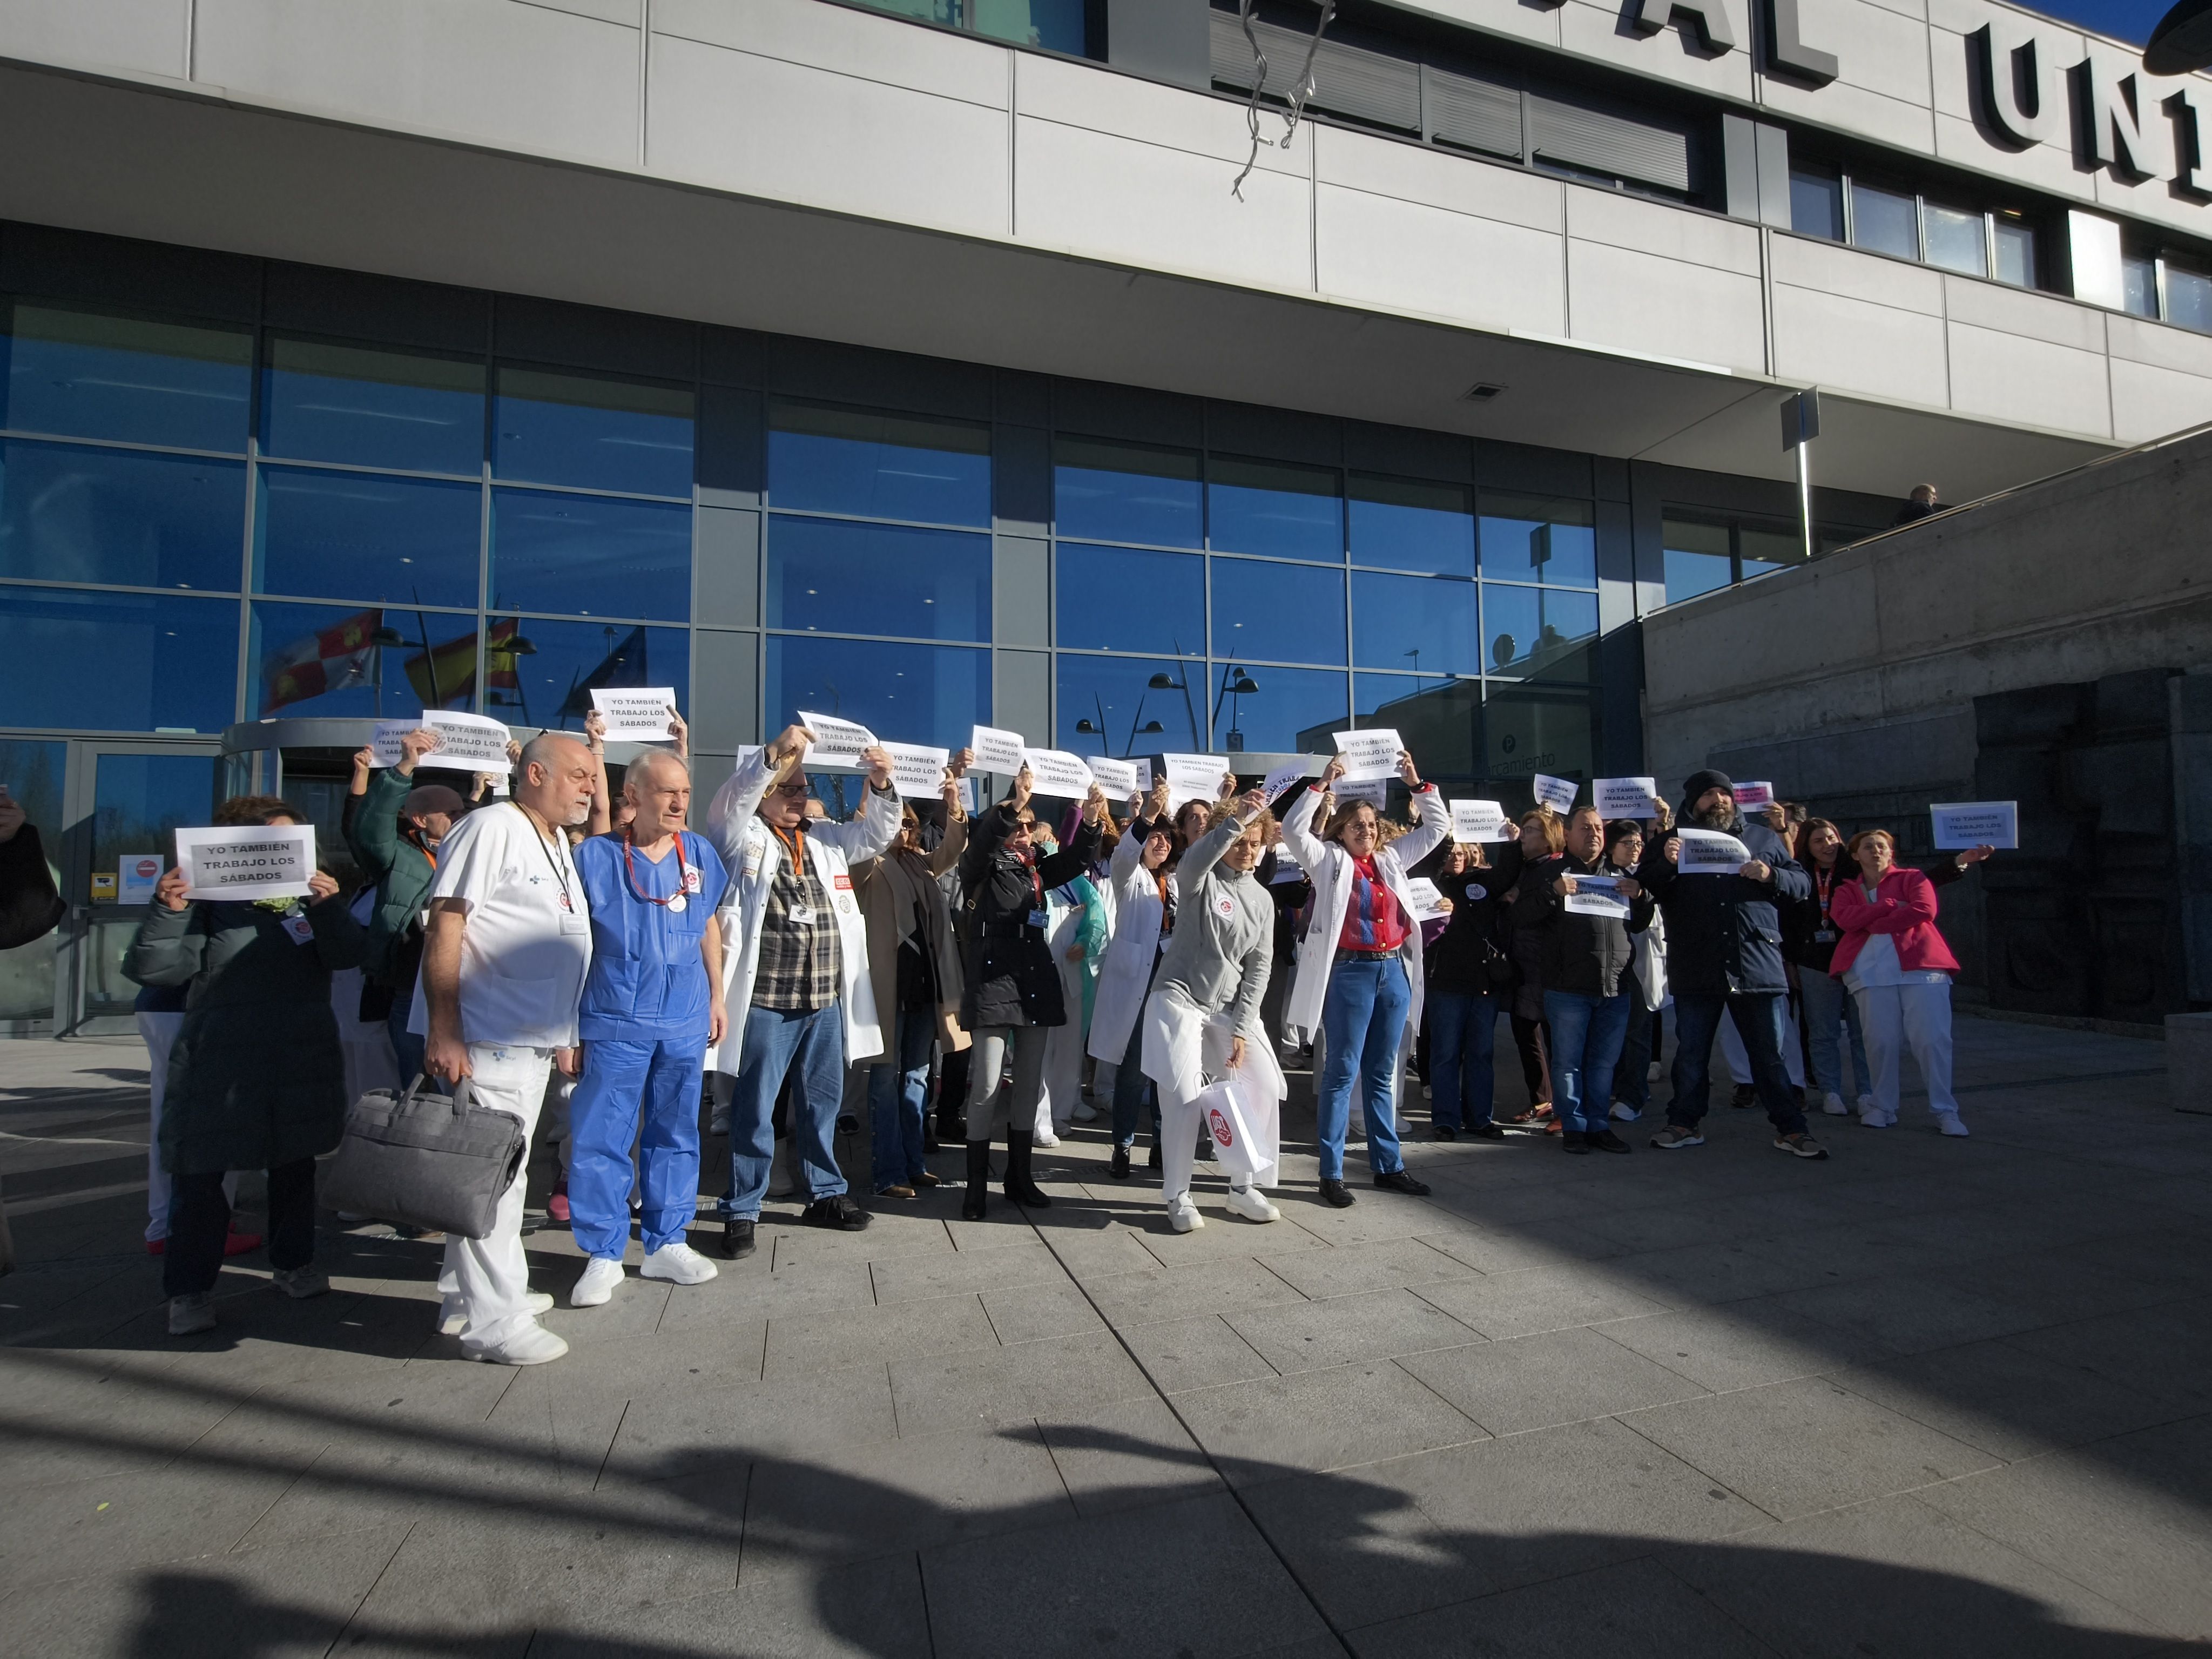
column 988, row 1058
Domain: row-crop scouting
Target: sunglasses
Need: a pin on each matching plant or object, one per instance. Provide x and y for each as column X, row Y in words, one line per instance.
column 793, row 791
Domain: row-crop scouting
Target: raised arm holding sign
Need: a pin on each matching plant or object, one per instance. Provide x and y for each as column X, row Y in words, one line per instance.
column 1369, row 754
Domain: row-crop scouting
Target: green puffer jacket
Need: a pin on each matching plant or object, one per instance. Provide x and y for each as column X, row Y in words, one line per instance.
column 256, row 1078
column 400, row 869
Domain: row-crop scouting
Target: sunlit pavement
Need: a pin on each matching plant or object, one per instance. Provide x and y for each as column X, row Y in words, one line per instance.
column 1931, row 1396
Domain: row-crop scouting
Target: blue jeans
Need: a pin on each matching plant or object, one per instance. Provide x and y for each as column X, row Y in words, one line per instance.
column 407, row 1047
column 810, row 1047
column 1826, row 1005
column 625, row 1081
column 1759, row 1021
column 898, row 1089
column 1134, row 1092
column 1587, row 1033
column 1363, row 1018
column 1462, row 1039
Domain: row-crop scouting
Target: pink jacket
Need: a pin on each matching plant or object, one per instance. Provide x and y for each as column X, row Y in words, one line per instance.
column 1903, row 907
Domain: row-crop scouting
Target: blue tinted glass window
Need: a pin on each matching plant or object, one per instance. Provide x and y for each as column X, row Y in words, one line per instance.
column 1437, row 718
column 590, row 555
column 2188, row 298
column 1409, row 524
column 1885, row 221
column 538, row 672
column 1697, row 558
column 85, row 375
column 2138, row 285
column 1294, row 710
column 1816, row 205
column 1761, row 549
column 1539, row 538
column 1110, row 598
column 1424, row 625
column 878, row 466
column 340, row 403
column 354, row 535
column 1114, row 492
column 1133, row 705
column 594, row 434
column 1055, row 25
column 1278, row 612
column 836, row 576
column 1267, row 507
column 1536, row 630
column 109, row 515
column 121, row 662
column 329, row 659
column 933, row 694
column 427, row 658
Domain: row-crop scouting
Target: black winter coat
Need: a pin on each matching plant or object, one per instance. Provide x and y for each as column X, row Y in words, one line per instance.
column 1459, row 962
column 1012, row 978
column 1802, row 925
column 1584, row 956
column 1724, row 933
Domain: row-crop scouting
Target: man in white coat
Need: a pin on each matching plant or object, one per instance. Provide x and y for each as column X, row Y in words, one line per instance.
column 800, row 999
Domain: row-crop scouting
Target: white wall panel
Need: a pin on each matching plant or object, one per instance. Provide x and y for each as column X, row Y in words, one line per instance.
column 1393, row 252
column 2137, row 341
column 2150, row 401
column 1537, row 23
column 1619, row 297
column 2009, row 376
column 145, row 37
column 1831, row 340
column 1128, row 107
column 1411, row 173
column 764, row 127
column 1804, row 262
column 1702, row 238
column 846, row 41
column 1854, row 109
column 1596, row 32
column 1877, row 48
column 2016, row 311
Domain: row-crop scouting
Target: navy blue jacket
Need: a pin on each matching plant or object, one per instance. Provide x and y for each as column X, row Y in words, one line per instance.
column 1724, row 933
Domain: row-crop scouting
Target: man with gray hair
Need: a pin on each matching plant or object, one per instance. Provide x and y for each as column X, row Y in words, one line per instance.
column 503, row 962
column 653, row 1003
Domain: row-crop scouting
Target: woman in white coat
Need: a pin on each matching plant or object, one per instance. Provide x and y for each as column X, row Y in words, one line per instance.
column 1202, row 1019
column 1143, row 919
column 1359, row 978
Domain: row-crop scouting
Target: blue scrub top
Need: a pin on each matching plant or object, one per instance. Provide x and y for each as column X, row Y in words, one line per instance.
column 648, row 980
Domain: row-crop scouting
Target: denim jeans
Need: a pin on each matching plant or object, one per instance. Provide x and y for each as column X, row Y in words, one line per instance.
column 1827, row 1004
column 1363, row 1019
column 809, row 1048
column 898, row 1089
column 1759, row 1021
column 1462, row 1039
column 1586, row 1037
column 1134, row 1094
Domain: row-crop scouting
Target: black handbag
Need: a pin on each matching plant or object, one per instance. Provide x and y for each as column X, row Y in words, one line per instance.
column 426, row 1160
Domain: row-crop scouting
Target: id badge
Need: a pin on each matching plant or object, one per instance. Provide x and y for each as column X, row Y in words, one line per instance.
column 1037, row 918
column 1824, row 936
column 572, row 923
column 801, row 916
column 301, row 930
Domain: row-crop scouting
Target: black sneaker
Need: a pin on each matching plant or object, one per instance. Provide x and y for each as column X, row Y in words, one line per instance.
column 1153, row 1161
column 737, row 1238
column 1119, row 1169
column 1573, row 1141
column 1675, row 1138
column 1800, row 1144
column 1746, row 1096
column 1485, row 1130
column 1606, row 1141
column 1443, row 1132
column 1338, row 1196
column 836, row 1211
column 1401, row 1181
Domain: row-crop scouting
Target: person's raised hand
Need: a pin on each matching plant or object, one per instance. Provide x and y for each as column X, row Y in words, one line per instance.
column 1673, row 850
column 961, row 759
column 413, row 746
column 1227, row 786
column 1408, row 770
column 595, row 731
column 1156, row 804
column 1094, row 806
column 321, row 884
column 678, row 733
column 364, row 763
column 1972, row 856
column 169, row 891
column 1023, row 781
column 879, row 767
column 1331, row 773
column 955, row 809
column 790, row 742
column 1253, row 803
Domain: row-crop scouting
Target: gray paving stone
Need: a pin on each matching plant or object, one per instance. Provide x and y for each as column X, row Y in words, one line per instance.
column 134, row 1520
column 1194, row 1353
column 1504, row 1252
column 1100, row 1252
column 1218, row 1286
column 1537, row 1300
column 838, row 1337
column 951, row 1272
column 2007, row 1402
column 752, row 1290
column 1793, row 1447
column 1126, row 1455
column 1370, row 1325
column 891, row 1235
column 872, row 1609
column 1533, row 1381
column 1275, row 1427
column 681, row 1432
column 1383, row 1265
column 1219, row 1241
column 1911, row 1313
column 986, row 1388
column 1741, row 1344
column 1724, row 1270
column 1637, row 1611
column 2165, row 1353
column 1362, row 1548
column 1028, row 1313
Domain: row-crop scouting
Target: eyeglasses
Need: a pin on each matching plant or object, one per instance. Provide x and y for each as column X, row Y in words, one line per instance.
column 791, row 791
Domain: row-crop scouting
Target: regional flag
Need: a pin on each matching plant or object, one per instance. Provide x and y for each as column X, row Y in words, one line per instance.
column 338, row 656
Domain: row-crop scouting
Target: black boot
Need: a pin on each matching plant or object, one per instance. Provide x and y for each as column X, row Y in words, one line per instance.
column 1019, row 1187
column 978, row 1180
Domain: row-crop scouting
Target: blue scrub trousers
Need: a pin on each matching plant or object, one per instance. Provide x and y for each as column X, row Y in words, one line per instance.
column 898, row 1090
column 623, row 1079
column 1587, row 1033
column 809, row 1046
column 1363, row 1018
column 1462, row 1044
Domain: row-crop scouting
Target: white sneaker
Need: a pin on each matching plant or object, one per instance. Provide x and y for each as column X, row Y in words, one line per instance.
column 1182, row 1214
column 454, row 1319
column 678, row 1263
column 1871, row 1116
column 533, row 1345
column 1252, row 1203
column 1625, row 1112
column 603, row 1277
column 1832, row 1104
column 1651, row 1073
column 1866, row 1104
column 1085, row 1112
column 1043, row 1138
column 1949, row 1124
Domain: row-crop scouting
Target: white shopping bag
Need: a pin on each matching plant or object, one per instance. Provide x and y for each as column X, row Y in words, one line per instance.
column 1226, row 1116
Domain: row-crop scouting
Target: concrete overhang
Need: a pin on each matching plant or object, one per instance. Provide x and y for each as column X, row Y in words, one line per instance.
column 172, row 162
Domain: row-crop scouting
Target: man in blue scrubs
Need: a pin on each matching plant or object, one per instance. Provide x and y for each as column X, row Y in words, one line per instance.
column 652, row 1004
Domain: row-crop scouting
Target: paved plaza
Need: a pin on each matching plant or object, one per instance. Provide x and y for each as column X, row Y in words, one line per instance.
column 1929, row 1397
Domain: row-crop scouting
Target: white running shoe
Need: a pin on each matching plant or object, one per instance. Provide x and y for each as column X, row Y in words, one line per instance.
column 1866, row 1104
column 454, row 1319
column 1625, row 1112
column 1949, row 1124
column 1871, row 1116
column 1043, row 1138
column 1085, row 1112
column 1182, row 1214
column 603, row 1277
column 678, row 1263
column 1832, row 1104
column 533, row 1345
column 1252, row 1203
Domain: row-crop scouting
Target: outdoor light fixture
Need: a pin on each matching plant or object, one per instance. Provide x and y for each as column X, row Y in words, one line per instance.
column 2182, row 42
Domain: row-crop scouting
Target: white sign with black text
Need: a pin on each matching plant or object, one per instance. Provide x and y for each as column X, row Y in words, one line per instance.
column 1057, row 773
column 636, row 714
column 1963, row 823
column 1557, row 793
column 1429, row 904
column 1478, row 820
column 1369, row 754
column 1627, row 798
column 996, row 751
column 917, row 769
column 1118, row 777
column 836, row 742
column 254, row 861
column 1195, row 777
column 1708, row 852
column 1598, row 895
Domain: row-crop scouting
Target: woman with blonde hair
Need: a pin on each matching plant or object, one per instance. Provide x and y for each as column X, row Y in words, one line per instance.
column 1899, row 969
column 1359, row 978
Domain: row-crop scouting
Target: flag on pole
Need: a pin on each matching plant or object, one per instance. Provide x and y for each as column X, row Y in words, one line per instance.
column 336, row 657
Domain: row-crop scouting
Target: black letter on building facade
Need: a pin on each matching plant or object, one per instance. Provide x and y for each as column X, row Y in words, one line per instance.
column 1786, row 50
column 1708, row 17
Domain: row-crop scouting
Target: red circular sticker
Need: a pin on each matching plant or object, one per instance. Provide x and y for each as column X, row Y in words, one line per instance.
column 1219, row 1126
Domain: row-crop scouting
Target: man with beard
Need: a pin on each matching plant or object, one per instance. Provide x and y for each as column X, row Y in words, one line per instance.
column 1724, row 953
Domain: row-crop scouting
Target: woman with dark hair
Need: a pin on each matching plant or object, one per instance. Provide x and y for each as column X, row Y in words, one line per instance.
column 1467, row 974
column 1542, row 835
column 257, row 1079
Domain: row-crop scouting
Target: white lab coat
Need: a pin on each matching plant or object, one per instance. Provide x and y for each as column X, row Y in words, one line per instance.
column 751, row 851
column 1126, row 971
column 1328, row 866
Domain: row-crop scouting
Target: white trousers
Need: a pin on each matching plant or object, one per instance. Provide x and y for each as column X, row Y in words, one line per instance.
column 486, row 1279
column 1183, row 1045
column 160, row 1032
column 1739, row 1062
column 1895, row 1015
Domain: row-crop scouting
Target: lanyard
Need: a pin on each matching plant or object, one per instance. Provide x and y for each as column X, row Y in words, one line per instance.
column 796, row 840
column 567, row 903
column 1825, row 883
column 629, row 871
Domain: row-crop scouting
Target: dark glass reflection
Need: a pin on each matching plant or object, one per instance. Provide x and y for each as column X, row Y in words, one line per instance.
column 355, row 535
column 1409, row 524
column 1290, row 702
column 1055, row 25
column 1267, row 507
column 121, row 662
column 1112, row 492
column 327, row 659
column 1424, row 625
column 878, row 466
column 590, row 555
column 85, row 375
column 1539, row 538
column 1885, row 221
column 1278, row 612
column 1437, row 718
column 1530, row 731
column 933, row 694
column 1531, row 629
column 1112, row 599
column 837, row 576
column 338, row 403
column 1697, row 558
column 538, row 672
column 1111, row 706
column 594, row 434
column 109, row 515
column 1763, row 550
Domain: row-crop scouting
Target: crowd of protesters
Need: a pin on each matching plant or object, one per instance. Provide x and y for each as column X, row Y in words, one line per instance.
column 598, row 967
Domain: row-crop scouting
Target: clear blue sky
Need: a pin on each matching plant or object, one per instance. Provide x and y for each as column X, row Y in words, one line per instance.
column 2124, row 20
